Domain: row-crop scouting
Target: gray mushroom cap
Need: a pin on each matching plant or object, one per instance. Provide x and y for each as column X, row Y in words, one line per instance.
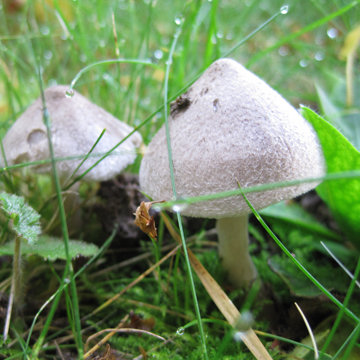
column 231, row 126
column 76, row 124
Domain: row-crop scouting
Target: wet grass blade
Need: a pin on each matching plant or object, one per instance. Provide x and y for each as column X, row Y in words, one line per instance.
column 222, row 301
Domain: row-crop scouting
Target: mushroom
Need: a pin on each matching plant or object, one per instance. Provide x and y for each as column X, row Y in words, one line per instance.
column 235, row 129
column 76, row 124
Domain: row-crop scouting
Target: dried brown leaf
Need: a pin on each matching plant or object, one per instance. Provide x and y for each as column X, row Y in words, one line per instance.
column 144, row 220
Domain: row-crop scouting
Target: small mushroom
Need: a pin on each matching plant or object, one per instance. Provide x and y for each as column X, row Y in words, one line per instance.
column 76, row 124
column 235, row 129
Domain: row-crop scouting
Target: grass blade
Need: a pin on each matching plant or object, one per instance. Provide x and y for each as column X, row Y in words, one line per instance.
column 172, row 176
column 68, row 272
column 222, row 301
column 299, row 265
column 304, row 30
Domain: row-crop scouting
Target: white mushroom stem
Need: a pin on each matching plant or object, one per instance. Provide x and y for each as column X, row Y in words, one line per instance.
column 234, row 249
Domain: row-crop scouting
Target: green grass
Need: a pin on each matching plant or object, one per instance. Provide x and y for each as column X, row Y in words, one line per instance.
column 131, row 76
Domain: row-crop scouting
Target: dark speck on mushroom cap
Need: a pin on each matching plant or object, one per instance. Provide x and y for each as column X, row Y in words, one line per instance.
column 181, row 104
column 239, row 129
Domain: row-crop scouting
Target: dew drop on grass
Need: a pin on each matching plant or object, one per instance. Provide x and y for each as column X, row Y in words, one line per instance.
column 332, row 33
column 67, row 281
column 158, row 54
column 69, row 93
column 48, row 55
column 238, row 336
column 283, row 51
column 303, row 63
column 157, row 208
column 245, row 322
column 219, row 35
column 180, row 331
column 319, row 56
column 284, row 9
column 178, row 20
column 44, row 30
column 178, row 208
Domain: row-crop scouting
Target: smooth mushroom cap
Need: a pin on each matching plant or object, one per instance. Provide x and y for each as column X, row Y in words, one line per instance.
column 231, row 126
column 76, row 124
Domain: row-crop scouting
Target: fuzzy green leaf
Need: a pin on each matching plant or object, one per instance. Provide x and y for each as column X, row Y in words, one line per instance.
column 293, row 213
column 299, row 285
column 24, row 220
column 342, row 196
column 51, row 248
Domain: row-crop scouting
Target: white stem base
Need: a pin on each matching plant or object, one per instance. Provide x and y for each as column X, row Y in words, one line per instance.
column 233, row 250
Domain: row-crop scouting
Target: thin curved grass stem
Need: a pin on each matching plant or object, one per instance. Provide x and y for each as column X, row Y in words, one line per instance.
column 15, row 286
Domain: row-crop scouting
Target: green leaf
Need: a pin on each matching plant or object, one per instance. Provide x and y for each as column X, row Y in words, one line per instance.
column 293, row 213
column 24, row 220
column 333, row 109
column 342, row 196
column 299, row 285
column 51, row 248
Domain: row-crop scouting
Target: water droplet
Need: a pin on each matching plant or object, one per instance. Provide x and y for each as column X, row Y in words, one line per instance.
column 284, row 9
column 178, row 20
column 245, row 321
column 67, row 281
column 303, row 63
column 283, row 50
column 69, row 93
column 219, row 35
column 158, row 54
column 44, row 30
column 332, row 33
column 238, row 336
column 48, row 55
column 180, row 331
column 156, row 207
column 319, row 56
column 178, row 208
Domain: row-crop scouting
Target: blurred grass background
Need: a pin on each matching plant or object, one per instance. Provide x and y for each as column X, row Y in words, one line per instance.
column 67, row 35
